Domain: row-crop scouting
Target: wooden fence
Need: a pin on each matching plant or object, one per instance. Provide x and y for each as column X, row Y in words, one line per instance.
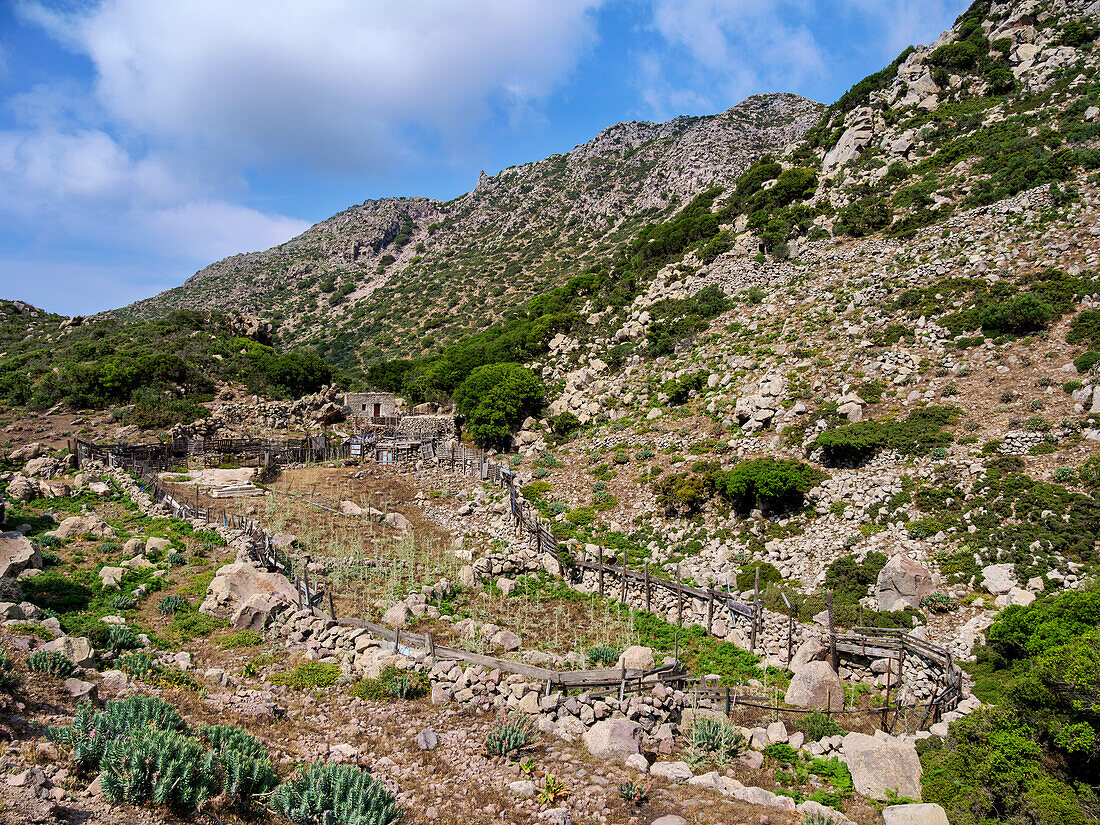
column 144, row 461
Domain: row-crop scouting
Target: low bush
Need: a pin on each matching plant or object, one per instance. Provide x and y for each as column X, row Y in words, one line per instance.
column 511, row 733
column 818, row 725
column 87, row 737
column 9, row 676
column 309, row 676
column 770, row 483
column 52, row 663
column 164, row 767
column 916, row 435
column 326, row 793
column 391, row 683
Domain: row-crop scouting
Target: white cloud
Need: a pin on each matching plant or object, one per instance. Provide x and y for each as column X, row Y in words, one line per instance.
column 333, row 84
column 734, row 48
column 902, row 23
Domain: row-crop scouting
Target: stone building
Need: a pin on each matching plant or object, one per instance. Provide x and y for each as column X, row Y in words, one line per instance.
column 370, row 405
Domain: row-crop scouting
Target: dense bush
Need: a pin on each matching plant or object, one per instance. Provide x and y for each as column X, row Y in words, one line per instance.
column 770, row 483
column 849, row 578
column 769, row 574
column 163, row 767
column 91, row 731
column 918, row 434
column 1021, row 632
column 52, row 663
column 496, row 399
column 342, row 793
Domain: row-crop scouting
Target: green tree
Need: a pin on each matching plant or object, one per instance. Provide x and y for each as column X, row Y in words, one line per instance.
column 495, row 399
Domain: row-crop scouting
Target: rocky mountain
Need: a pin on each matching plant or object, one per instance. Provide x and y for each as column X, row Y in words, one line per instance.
column 369, row 279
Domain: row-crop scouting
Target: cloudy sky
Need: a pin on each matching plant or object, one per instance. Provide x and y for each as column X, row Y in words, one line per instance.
column 141, row 140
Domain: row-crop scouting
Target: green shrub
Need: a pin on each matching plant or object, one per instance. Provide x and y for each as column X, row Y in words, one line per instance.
column 175, row 559
column 391, row 683
column 783, row 753
column 91, row 730
column 713, row 740
column 1085, row 328
column 511, row 733
column 849, row 578
column 495, row 399
column 603, row 655
column 1019, row 632
column 634, row 792
column 123, row 603
column 172, row 604
column 309, row 676
column 164, row 767
column 771, row 483
column 244, row 769
column 52, row 663
column 1085, row 363
column 918, row 434
column 746, row 576
column 242, row 638
column 122, row 637
column 992, row 770
column 54, row 591
column 347, row 794
column 818, row 725
column 938, row 603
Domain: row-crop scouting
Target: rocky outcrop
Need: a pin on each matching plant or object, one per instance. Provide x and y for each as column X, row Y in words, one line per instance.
column 18, row 553
column 816, row 685
column 926, row 813
column 881, row 764
column 902, row 583
column 235, row 584
column 614, row 739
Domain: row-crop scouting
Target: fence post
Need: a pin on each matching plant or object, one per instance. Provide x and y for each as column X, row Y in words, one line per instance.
column 832, row 630
column 710, row 610
column 599, row 570
column 647, row 596
column 679, row 599
column 727, row 701
column 755, row 613
column 430, row 644
column 331, row 603
column 305, row 575
column 623, row 599
column 886, row 704
column 790, row 635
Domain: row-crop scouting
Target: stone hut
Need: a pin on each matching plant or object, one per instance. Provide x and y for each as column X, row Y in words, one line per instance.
column 370, row 405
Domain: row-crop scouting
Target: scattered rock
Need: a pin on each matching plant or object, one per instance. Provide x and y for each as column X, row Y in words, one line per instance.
column 926, row 813
column 881, row 765
column 816, row 685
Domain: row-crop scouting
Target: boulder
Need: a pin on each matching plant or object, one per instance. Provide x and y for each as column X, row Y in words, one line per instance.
column 75, row 526
column 397, row 616
column 27, row 452
column 76, row 649
column 22, row 489
column 678, row 772
column 82, row 691
column 816, row 685
column 133, row 547
column 506, row 640
column 811, row 650
column 18, row 553
column 111, row 577
column 41, row 466
column 506, row 586
column 397, row 521
column 157, row 544
column 614, row 739
column 999, row 578
column 637, row 657
column 881, row 765
column 257, row 612
column 902, row 582
column 234, row 584
column 926, row 813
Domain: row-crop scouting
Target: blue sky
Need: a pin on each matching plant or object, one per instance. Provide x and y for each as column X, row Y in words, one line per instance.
column 139, row 141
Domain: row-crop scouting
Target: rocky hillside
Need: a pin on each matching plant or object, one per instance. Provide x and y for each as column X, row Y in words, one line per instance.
column 367, row 281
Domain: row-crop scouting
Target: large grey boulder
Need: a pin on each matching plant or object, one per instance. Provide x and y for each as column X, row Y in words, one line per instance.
column 881, row 765
column 27, row 452
column 811, row 650
column 397, row 616
column 901, row 583
column 18, row 553
column 614, row 739
column 816, row 685
column 257, row 612
column 76, row 526
column 637, row 657
column 926, row 813
column 76, row 649
column 23, row 489
column 999, row 578
column 234, row 584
